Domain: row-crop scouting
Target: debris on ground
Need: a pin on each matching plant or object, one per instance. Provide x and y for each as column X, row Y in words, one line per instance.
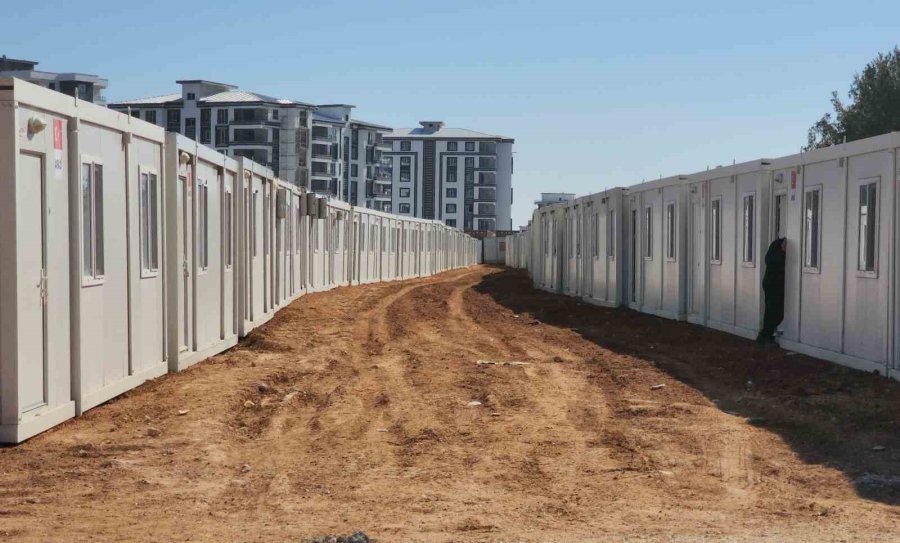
column 246, row 468
column 496, row 363
column 358, row 537
column 474, row 403
column 153, row 432
column 657, row 387
column 262, row 388
column 182, row 412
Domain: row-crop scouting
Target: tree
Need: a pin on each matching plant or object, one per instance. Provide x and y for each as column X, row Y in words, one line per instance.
column 874, row 106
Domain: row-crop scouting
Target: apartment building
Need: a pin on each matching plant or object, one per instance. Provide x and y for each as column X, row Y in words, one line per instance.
column 550, row 198
column 458, row 176
column 271, row 131
column 369, row 174
column 82, row 86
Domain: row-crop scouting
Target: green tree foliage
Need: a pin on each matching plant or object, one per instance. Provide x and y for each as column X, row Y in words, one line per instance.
column 874, row 106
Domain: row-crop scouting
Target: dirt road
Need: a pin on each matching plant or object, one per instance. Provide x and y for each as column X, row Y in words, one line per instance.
column 356, row 410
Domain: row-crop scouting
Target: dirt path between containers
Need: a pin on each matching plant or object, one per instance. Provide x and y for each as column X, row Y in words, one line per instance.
column 366, row 408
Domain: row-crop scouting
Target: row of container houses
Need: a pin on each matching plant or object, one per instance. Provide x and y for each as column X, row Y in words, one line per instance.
column 127, row 252
column 692, row 247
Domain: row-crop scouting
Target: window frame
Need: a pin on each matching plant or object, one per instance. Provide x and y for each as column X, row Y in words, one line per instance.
column 671, row 234
column 611, row 235
column 749, row 226
column 401, row 207
column 202, row 225
column 148, row 271
column 876, row 239
column 806, row 266
column 452, row 146
column 94, row 279
column 228, row 228
column 715, row 230
column 647, row 238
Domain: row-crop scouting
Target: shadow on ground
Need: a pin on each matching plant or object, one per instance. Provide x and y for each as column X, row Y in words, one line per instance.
column 829, row 414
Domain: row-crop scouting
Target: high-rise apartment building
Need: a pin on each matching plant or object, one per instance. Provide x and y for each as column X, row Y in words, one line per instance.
column 82, row 86
column 458, row 176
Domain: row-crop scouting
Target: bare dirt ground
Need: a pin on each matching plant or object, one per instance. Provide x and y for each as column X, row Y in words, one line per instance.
column 366, row 422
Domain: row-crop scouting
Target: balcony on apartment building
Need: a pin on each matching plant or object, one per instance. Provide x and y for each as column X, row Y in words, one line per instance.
column 322, row 169
column 487, row 163
column 260, row 156
column 382, row 144
column 324, row 133
column 325, row 186
column 257, row 116
column 487, row 178
column 374, row 190
column 250, row 136
column 324, row 151
column 486, row 195
column 486, row 210
column 487, row 148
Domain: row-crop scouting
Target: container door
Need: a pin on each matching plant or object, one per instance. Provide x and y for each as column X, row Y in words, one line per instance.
column 185, row 245
column 633, row 248
column 32, row 284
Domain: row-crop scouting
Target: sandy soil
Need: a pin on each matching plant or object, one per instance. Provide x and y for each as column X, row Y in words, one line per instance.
column 366, row 421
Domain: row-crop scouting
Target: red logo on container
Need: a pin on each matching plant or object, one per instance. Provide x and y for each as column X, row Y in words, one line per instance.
column 57, row 134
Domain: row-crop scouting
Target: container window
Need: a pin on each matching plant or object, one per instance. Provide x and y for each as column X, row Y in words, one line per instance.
column 715, row 220
column 203, row 225
column 648, row 233
column 595, row 238
column 868, row 226
column 670, row 231
column 749, row 234
column 812, row 217
column 149, row 203
column 611, row 235
column 228, row 227
column 779, row 214
column 254, row 212
column 92, row 220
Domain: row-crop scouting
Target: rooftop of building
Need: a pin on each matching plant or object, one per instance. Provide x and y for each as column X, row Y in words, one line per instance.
column 370, row 125
column 231, row 96
column 12, row 65
column 437, row 130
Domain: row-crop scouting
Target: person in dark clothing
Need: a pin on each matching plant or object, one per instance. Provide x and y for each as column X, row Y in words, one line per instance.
column 773, row 287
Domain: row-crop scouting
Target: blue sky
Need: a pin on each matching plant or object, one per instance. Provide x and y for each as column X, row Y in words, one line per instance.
column 596, row 95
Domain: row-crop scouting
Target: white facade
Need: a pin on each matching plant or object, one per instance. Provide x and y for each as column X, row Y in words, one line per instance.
column 460, row 177
column 270, row 131
column 82, row 86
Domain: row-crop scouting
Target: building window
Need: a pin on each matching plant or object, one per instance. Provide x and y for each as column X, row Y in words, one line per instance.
column 670, row 231
column 405, row 166
column 451, row 222
column 404, row 193
column 190, row 127
column 405, row 145
column 749, row 230
column 648, row 233
column 191, row 96
column 470, row 162
column 150, row 116
column 868, row 226
column 779, row 217
column 812, row 218
column 227, row 226
column 485, row 224
column 221, row 116
column 451, row 169
column 173, row 120
column 92, row 220
column 451, row 208
column 136, row 113
column 149, row 203
column 354, row 170
column 221, row 135
column 275, row 114
column 715, row 224
column 470, row 147
column 451, row 193
column 404, row 208
column 203, row 225
column 611, row 235
column 451, row 146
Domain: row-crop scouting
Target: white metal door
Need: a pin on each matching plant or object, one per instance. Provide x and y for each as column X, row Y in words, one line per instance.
column 697, row 259
column 185, row 245
column 32, row 284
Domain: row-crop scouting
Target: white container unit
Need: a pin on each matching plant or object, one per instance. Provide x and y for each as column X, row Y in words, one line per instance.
column 255, row 244
column 201, row 248
column 655, row 247
column 602, row 255
column 338, row 259
column 727, row 236
column 287, row 229
column 838, row 208
column 549, row 223
column 35, row 343
column 317, row 212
